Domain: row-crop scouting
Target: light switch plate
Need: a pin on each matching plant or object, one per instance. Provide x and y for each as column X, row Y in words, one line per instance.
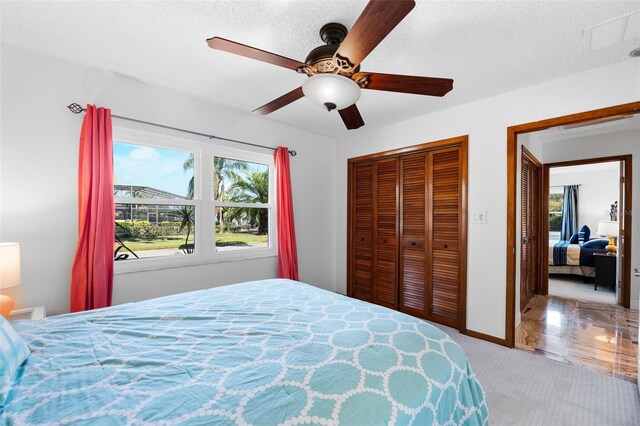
column 480, row 216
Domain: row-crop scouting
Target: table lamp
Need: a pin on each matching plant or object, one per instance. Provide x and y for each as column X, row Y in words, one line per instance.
column 9, row 273
column 609, row 228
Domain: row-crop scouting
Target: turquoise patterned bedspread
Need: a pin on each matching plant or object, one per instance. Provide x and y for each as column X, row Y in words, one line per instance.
column 264, row 353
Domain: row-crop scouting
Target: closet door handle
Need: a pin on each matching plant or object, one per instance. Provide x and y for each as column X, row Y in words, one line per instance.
column 446, row 246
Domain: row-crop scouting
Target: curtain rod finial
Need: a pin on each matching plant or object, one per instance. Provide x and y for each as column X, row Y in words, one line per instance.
column 75, row 108
column 293, row 153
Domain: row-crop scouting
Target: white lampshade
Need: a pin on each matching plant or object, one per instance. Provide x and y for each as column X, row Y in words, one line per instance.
column 607, row 228
column 9, row 265
column 331, row 91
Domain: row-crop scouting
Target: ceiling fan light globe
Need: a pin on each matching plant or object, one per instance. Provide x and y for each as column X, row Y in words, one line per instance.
column 323, row 89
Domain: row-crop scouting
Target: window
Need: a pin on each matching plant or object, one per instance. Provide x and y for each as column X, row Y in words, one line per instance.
column 241, row 200
column 155, row 207
column 556, row 205
column 180, row 202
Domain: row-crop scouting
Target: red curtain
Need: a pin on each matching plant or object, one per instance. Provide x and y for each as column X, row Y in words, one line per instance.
column 92, row 271
column 287, row 253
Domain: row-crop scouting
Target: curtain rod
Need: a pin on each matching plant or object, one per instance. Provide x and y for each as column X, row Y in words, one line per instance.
column 562, row 186
column 77, row 109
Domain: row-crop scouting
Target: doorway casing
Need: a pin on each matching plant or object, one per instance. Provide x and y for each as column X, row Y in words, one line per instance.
column 626, row 226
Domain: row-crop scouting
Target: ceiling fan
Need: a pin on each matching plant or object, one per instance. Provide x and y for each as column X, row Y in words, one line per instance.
column 334, row 69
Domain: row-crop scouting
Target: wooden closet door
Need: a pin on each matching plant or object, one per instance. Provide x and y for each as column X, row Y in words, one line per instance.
column 530, row 228
column 525, row 252
column 361, row 226
column 535, row 224
column 413, row 233
column 444, row 220
column 385, row 212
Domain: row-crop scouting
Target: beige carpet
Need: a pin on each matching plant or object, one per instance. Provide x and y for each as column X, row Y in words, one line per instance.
column 527, row 389
column 571, row 287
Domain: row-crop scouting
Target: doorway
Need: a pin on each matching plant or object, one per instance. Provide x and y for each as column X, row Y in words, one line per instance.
column 530, row 293
column 602, row 192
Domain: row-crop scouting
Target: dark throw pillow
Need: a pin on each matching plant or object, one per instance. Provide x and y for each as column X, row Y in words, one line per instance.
column 587, row 233
column 574, row 239
column 596, row 243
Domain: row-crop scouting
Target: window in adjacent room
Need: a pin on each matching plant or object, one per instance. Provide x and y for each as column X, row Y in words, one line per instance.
column 556, row 204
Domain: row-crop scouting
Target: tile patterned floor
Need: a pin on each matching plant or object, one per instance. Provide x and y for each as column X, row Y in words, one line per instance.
column 600, row 337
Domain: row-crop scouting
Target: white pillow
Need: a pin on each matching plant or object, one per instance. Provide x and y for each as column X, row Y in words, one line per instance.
column 13, row 352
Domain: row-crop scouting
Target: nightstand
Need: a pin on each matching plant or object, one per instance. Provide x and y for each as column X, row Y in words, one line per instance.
column 32, row 313
column 605, row 270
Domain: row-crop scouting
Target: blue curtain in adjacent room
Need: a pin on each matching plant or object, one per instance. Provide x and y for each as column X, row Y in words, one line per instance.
column 569, row 212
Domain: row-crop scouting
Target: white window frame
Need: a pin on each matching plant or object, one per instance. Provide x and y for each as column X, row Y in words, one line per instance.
column 203, row 153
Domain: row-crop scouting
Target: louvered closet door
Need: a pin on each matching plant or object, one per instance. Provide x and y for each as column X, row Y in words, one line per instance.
column 535, row 229
column 444, row 220
column 525, row 256
column 413, row 232
column 530, row 223
column 386, row 232
column 361, row 273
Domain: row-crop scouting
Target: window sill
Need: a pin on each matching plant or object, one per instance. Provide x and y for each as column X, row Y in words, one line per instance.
column 155, row 264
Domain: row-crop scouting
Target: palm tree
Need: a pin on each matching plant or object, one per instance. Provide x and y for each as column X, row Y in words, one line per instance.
column 224, row 170
column 186, row 217
column 186, row 166
column 252, row 188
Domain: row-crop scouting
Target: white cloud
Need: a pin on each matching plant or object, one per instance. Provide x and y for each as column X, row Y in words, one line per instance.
column 144, row 153
column 146, row 161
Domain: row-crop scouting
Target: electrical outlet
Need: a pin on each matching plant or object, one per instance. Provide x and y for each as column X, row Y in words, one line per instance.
column 480, row 216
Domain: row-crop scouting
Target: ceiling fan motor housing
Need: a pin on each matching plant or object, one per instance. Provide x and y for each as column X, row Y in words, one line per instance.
column 333, row 33
column 321, row 58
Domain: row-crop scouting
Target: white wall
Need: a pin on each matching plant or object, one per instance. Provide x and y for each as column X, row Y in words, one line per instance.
column 38, row 169
column 597, row 191
column 486, row 123
column 532, row 144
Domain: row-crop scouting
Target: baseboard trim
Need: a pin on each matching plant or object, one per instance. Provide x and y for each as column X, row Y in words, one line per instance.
column 488, row 338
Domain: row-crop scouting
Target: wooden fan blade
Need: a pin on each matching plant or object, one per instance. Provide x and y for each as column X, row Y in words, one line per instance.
column 351, row 117
column 225, row 45
column 377, row 20
column 431, row 86
column 283, row 100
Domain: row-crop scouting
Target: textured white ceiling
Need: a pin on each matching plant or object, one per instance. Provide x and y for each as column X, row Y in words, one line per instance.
column 561, row 133
column 586, row 168
column 486, row 47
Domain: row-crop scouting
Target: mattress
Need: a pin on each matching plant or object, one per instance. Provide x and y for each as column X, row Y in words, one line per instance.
column 562, row 253
column 264, row 352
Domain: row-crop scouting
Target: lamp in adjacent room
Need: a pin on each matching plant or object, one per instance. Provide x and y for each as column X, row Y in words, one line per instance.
column 9, row 273
column 609, row 228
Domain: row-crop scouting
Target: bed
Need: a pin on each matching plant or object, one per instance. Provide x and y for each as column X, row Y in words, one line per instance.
column 574, row 259
column 263, row 352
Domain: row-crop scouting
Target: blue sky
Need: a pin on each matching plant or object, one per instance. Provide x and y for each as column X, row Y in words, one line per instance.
column 149, row 166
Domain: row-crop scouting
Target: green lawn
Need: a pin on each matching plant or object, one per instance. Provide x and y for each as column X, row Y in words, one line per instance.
column 241, row 237
column 140, row 244
column 173, row 242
